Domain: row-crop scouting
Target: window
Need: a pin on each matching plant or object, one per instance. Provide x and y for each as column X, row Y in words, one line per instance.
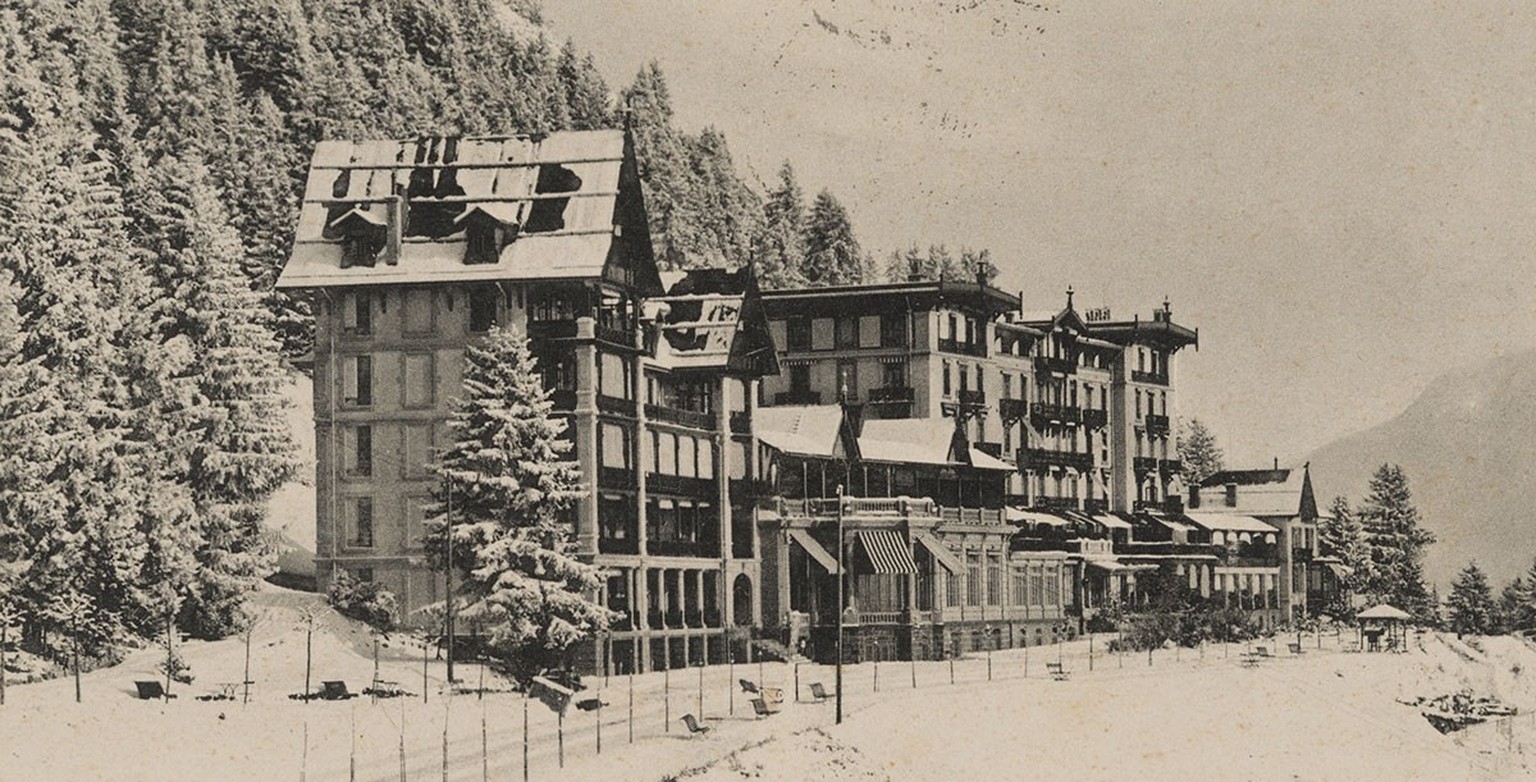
column 615, row 378
column 800, row 378
column 1138, row 403
column 798, row 333
column 417, row 304
column 362, row 522
column 706, row 458
column 736, row 458
column 419, row 380
column 848, row 380
column 973, row 579
column 362, row 450
column 358, row 313
column 894, row 374
column 687, row 464
column 666, row 453
column 482, row 309
column 994, row 579
column 893, row 330
column 357, row 384
column 1007, row 386
column 615, row 445
column 947, row 382
column 846, row 332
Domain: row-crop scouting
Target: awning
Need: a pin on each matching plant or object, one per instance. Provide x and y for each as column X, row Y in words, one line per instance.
column 941, row 553
column 887, row 551
column 1016, row 516
column 1340, row 571
column 1111, row 565
column 815, row 549
column 985, row 461
column 1111, row 521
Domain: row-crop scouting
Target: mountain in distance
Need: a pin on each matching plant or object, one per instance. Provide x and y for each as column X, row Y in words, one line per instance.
column 1468, row 445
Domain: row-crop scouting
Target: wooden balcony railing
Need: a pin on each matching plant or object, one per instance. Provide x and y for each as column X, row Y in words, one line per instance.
column 974, row 397
column 890, row 395
column 1154, row 378
column 1157, row 425
column 1044, row 412
column 963, row 348
column 1082, row 461
column 615, row 405
column 1144, row 463
column 1095, row 419
column 1046, row 364
column 672, row 415
column 1012, row 409
column 797, row 398
column 551, row 329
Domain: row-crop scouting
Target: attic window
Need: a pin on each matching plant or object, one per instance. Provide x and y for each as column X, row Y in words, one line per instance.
column 432, row 179
column 487, row 229
column 548, row 214
column 1231, row 495
column 363, row 234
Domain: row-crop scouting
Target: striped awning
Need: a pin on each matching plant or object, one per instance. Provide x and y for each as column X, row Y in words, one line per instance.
column 815, row 549
column 941, row 553
column 887, row 551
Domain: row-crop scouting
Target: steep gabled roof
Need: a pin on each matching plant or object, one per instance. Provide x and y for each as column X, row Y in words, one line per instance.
column 922, row 441
column 1271, row 492
column 821, row 431
column 572, row 195
column 714, row 319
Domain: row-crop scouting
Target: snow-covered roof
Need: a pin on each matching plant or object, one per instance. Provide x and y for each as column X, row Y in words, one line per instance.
column 802, row 430
column 560, row 191
column 1383, row 611
column 1228, row 522
column 1269, row 492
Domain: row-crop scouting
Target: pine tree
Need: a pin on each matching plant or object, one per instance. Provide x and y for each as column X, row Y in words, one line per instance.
column 976, row 265
column 1396, row 542
column 512, row 490
column 1342, row 536
column 1199, row 452
column 661, row 154
column 781, row 250
column 1514, row 612
column 589, row 104
column 1471, row 602
column 832, row 253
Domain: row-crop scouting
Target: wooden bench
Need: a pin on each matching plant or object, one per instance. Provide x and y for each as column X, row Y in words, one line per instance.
column 1058, row 672
column 1295, row 647
column 1262, row 651
column 694, row 728
column 819, row 692
column 760, row 708
column 151, row 691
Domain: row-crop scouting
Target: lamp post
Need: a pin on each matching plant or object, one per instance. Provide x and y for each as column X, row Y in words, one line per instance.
column 841, row 574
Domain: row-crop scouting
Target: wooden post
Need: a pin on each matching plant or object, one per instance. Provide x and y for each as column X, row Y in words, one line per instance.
column 5, row 622
column 245, row 685
column 1090, row 651
column 445, row 740
column 424, row 644
column 701, row 691
column 402, row 740
column 170, row 655
column 730, row 679
column 525, row 734
column 560, row 734
column 797, row 682
column 485, row 739
column 631, row 704
column 599, row 713
column 304, row 755
column 666, row 697
column 352, row 746
column 309, row 633
column 74, row 646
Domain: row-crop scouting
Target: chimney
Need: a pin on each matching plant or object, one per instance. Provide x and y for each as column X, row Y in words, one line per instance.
column 1277, row 462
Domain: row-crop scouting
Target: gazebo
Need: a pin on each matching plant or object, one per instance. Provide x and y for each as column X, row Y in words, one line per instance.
column 1384, row 620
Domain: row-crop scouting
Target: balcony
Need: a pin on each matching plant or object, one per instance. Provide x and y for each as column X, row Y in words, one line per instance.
column 797, row 398
column 971, row 515
column 704, row 488
column 1166, row 505
column 1096, row 506
column 1055, row 364
column 1171, row 466
column 683, row 548
column 615, row 478
column 1157, row 425
column 994, row 450
column 748, row 489
column 613, row 405
column 551, row 329
column 1081, row 461
column 672, row 415
column 1044, row 413
column 1012, row 409
column 976, row 398
column 891, row 395
column 1144, row 463
column 1154, row 378
column 618, row 546
column 617, row 335
column 1095, row 419
column 962, row 348
column 741, row 422
column 1056, row 503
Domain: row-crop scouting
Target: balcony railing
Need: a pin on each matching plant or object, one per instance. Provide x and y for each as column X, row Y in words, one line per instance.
column 677, row 484
column 1057, row 503
column 1144, row 463
column 1155, row 378
column 971, row 515
column 975, row 397
column 1045, row 412
column 1172, row 466
column 890, row 394
column 883, row 617
column 797, row 398
column 615, row 405
column 1060, row 364
column 551, row 329
column 615, row 478
column 1082, row 461
column 748, row 488
column 963, row 348
column 741, row 422
column 672, row 415
column 613, row 335
column 1157, row 425
column 1012, row 409
column 1096, row 506
column 1095, row 419
column 683, row 548
column 618, row 546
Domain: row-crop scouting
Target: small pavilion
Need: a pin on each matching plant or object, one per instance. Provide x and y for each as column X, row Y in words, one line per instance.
column 1384, row 627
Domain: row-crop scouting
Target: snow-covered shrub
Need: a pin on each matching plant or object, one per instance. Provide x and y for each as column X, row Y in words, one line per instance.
column 365, row 601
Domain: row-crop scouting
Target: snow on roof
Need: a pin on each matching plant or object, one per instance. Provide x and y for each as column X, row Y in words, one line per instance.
column 1383, row 611
column 1228, row 522
column 561, row 190
column 802, row 430
column 912, row 440
column 1276, row 492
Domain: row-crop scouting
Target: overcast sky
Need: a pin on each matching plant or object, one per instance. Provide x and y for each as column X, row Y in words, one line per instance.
column 1339, row 196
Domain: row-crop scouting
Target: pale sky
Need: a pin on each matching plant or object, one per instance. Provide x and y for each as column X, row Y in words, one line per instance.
column 1338, row 194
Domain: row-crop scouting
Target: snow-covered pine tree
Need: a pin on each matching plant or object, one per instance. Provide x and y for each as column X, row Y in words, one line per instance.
column 512, row 489
column 1471, row 602
column 235, row 448
column 589, row 103
column 1396, row 542
column 781, row 250
column 832, row 253
column 1199, row 452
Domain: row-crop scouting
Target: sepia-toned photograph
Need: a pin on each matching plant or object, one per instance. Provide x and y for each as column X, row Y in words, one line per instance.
column 801, row 391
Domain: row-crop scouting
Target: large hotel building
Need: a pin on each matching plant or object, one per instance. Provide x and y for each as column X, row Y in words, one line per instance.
column 1000, row 475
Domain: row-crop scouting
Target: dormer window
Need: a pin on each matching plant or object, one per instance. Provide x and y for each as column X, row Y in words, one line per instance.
column 363, row 234
column 487, row 229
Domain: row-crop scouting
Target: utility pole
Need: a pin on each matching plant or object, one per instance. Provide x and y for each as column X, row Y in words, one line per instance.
column 841, row 574
column 448, row 577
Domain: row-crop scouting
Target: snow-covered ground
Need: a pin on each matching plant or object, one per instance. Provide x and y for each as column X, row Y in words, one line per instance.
column 1190, row 714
